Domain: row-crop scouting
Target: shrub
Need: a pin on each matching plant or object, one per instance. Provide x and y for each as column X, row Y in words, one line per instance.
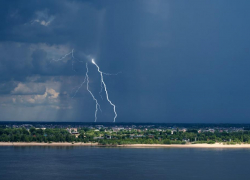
column 211, row 142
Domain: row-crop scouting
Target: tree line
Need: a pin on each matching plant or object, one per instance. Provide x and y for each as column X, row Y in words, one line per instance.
column 104, row 137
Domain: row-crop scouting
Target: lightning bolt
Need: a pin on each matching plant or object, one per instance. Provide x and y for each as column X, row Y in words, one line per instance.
column 108, row 74
column 79, row 87
column 105, row 87
column 96, row 102
column 100, row 92
column 86, row 79
column 63, row 57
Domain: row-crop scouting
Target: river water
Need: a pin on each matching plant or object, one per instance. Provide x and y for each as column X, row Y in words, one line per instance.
column 90, row 163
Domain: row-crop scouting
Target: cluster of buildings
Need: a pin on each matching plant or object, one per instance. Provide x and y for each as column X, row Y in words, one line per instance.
column 73, row 131
column 73, row 128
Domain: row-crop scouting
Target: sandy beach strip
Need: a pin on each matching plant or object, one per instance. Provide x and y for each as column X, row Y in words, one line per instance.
column 216, row 145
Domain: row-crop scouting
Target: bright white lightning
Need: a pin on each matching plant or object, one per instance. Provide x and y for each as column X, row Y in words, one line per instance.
column 86, row 79
column 96, row 102
column 79, row 87
column 100, row 92
column 108, row 74
column 105, row 87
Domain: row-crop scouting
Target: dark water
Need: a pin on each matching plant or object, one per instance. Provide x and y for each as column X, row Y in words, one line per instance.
column 87, row 163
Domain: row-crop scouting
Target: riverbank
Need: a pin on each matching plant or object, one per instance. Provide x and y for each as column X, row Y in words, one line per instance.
column 216, row 145
column 46, row 144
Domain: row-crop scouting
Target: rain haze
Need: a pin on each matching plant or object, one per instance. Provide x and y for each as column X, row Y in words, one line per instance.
column 180, row 61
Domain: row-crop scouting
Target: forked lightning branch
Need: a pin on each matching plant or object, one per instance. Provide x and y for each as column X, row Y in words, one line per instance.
column 86, row 80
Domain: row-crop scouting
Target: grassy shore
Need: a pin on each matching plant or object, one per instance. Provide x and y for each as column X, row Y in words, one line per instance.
column 216, row 145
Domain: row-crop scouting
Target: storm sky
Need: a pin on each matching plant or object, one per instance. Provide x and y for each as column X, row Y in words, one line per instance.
column 180, row 61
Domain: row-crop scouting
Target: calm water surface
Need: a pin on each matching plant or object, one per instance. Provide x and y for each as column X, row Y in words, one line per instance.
column 89, row 163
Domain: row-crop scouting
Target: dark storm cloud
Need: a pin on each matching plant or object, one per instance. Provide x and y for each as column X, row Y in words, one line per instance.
column 6, row 88
column 47, row 22
column 15, row 62
column 43, row 66
column 180, row 61
column 51, row 22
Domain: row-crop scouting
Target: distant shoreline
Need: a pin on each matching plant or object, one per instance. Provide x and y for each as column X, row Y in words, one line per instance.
column 216, row 145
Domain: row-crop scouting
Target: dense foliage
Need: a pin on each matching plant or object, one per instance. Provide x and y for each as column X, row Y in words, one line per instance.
column 108, row 137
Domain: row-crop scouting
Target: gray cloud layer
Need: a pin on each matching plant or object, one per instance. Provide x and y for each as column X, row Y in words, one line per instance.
column 180, row 61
